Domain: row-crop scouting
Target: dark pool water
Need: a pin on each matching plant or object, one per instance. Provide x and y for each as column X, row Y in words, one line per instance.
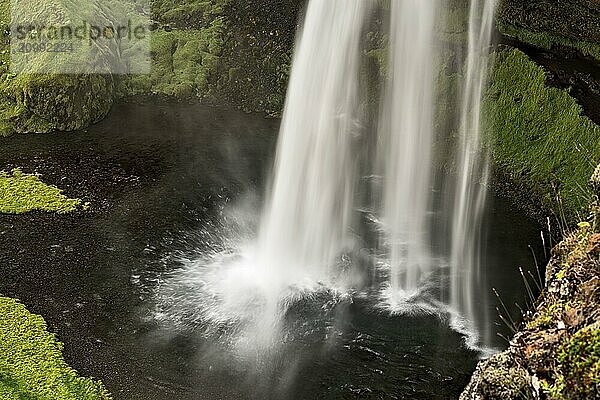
column 160, row 179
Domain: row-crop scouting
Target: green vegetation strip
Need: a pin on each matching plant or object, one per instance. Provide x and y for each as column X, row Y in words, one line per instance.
column 31, row 363
column 21, row 193
column 539, row 135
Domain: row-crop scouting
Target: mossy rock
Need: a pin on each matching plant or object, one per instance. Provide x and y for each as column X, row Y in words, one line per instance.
column 184, row 63
column 257, row 53
column 46, row 103
column 499, row 378
column 595, row 181
column 579, row 361
column 540, row 137
column 42, row 103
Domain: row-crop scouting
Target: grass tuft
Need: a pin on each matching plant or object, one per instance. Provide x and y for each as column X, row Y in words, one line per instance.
column 540, row 136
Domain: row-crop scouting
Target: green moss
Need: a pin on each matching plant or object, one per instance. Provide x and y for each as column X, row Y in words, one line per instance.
column 183, row 63
column 43, row 103
column 546, row 317
column 501, row 378
column 187, row 13
column 21, row 193
column 539, row 136
column 579, row 360
column 31, row 363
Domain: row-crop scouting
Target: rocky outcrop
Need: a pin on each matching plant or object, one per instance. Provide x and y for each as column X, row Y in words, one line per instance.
column 46, row 103
column 222, row 51
column 556, row 353
column 257, row 54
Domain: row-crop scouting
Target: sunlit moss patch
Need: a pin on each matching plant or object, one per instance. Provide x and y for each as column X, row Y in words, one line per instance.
column 31, row 363
column 21, row 193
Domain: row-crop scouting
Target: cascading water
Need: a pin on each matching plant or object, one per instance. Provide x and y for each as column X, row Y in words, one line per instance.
column 307, row 218
column 405, row 143
column 473, row 168
column 305, row 225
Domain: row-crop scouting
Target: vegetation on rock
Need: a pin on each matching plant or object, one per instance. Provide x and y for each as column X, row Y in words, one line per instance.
column 556, row 354
column 184, row 63
column 43, row 103
column 257, row 53
column 21, row 193
column 539, row 136
column 31, row 363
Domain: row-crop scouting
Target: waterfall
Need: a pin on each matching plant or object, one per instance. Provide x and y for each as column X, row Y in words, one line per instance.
column 309, row 213
column 473, row 168
column 405, row 142
column 306, row 227
column 307, row 218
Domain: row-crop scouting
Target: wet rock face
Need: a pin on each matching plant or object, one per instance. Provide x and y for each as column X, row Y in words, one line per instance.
column 257, row 53
column 574, row 19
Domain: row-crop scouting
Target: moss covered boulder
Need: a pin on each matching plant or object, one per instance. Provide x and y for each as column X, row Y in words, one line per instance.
column 46, row 103
column 41, row 103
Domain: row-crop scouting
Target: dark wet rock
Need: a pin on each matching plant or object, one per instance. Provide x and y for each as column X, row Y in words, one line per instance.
column 574, row 19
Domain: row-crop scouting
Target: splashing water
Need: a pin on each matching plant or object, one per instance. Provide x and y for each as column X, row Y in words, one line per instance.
column 305, row 229
column 405, row 142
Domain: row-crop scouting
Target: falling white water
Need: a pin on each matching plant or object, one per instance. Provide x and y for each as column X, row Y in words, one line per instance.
column 406, row 139
column 473, row 168
column 305, row 225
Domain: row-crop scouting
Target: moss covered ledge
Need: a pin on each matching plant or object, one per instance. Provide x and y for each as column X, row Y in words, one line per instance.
column 573, row 24
column 31, row 363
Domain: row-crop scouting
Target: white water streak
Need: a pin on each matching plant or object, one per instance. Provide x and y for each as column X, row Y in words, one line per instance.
column 473, row 165
column 305, row 225
column 406, row 139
